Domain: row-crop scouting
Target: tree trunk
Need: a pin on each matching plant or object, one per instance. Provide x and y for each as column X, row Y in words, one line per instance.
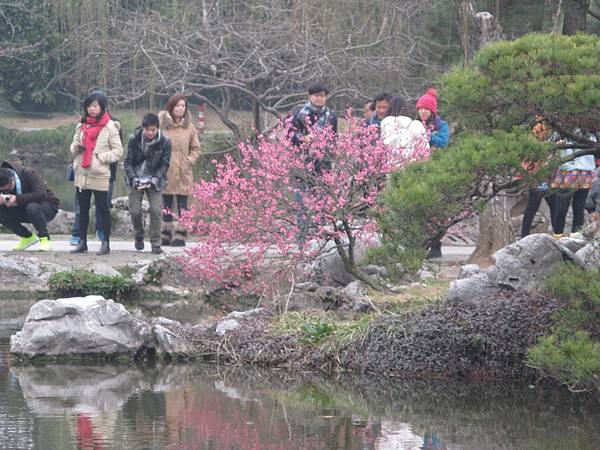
column 257, row 116
column 495, row 229
column 575, row 16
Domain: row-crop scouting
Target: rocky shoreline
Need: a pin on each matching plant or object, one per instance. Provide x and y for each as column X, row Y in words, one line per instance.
column 479, row 327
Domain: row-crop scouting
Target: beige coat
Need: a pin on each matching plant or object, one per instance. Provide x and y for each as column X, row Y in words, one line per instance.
column 108, row 150
column 185, row 150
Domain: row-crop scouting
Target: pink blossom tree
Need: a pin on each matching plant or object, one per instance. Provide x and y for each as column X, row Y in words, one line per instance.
column 252, row 225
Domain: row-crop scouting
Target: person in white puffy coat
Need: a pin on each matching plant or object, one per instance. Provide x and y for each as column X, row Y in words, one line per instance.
column 407, row 137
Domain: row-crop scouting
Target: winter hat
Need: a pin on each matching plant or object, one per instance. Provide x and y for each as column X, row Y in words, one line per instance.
column 428, row 100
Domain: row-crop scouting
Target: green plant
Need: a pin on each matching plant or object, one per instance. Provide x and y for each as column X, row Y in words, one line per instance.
column 569, row 282
column 574, row 361
column 570, row 354
column 315, row 331
column 77, row 283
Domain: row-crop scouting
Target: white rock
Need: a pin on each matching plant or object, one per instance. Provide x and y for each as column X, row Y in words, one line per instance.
column 78, row 325
column 226, row 325
column 468, row 270
column 356, row 289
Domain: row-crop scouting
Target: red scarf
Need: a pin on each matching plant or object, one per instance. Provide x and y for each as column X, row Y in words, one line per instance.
column 91, row 129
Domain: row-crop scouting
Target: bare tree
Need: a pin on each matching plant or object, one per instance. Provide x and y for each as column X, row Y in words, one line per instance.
column 258, row 54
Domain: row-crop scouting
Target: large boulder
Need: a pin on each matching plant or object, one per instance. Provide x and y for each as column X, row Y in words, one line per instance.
column 590, row 254
column 80, row 325
column 522, row 266
column 62, row 222
column 330, row 265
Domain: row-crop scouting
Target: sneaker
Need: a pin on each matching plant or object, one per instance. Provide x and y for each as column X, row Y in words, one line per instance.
column 156, row 250
column 139, row 243
column 26, row 242
column 74, row 241
column 45, row 244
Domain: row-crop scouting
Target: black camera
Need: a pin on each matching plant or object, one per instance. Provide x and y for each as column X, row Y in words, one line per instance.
column 144, row 182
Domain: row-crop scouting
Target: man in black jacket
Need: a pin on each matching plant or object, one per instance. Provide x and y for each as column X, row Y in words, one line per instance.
column 146, row 165
column 25, row 198
column 313, row 115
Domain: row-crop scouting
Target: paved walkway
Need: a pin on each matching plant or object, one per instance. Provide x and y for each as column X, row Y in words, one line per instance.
column 61, row 244
column 458, row 253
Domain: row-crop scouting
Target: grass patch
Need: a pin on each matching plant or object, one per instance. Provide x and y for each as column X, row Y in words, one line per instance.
column 126, row 271
column 322, row 329
column 571, row 353
column 77, row 283
column 410, row 298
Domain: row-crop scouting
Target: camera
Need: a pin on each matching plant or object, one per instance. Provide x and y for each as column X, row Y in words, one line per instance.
column 144, row 182
column 5, row 198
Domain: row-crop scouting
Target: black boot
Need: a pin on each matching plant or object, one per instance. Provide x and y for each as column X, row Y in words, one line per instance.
column 81, row 248
column 104, row 248
column 435, row 251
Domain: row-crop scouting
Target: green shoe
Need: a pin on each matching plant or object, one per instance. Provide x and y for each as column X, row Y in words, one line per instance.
column 26, row 242
column 45, row 244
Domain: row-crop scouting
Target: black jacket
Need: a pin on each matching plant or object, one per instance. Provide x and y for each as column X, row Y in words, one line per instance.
column 157, row 160
column 34, row 188
column 305, row 116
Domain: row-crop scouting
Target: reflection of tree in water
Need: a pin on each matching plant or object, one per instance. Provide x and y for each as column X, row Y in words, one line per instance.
column 177, row 407
column 203, row 415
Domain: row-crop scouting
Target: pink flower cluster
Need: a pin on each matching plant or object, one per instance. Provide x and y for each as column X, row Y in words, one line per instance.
column 246, row 219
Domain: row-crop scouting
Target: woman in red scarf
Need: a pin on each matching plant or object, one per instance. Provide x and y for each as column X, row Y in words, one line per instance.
column 95, row 146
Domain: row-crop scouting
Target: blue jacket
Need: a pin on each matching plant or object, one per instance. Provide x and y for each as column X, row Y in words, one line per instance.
column 440, row 135
column 374, row 120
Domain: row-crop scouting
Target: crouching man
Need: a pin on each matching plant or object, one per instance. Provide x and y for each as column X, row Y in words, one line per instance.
column 146, row 165
column 25, row 198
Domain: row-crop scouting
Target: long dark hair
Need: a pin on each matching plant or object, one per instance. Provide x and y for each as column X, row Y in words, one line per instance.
column 398, row 106
column 94, row 96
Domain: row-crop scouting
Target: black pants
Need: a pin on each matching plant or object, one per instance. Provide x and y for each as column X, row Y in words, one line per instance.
column 84, row 197
column 168, row 204
column 37, row 214
column 533, row 204
column 563, row 201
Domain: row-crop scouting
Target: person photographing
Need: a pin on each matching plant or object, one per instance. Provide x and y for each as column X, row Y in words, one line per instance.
column 146, row 165
column 25, row 198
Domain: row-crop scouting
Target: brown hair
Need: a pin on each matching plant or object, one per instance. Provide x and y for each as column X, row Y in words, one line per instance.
column 172, row 102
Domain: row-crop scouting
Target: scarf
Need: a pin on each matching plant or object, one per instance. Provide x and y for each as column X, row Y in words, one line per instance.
column 91, row 129
column 321, row 114
column 147, row 144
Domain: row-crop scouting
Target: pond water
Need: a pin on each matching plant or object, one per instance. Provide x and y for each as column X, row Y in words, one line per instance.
column 209, row 407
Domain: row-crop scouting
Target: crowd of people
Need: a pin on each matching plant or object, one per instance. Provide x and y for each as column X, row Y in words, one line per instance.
column 161, row 153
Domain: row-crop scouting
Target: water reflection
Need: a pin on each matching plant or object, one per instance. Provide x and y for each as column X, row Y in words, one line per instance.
column 186, row 407
column 205, row 407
